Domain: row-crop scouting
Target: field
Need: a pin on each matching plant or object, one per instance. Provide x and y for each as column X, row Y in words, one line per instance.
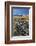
column 17, row 19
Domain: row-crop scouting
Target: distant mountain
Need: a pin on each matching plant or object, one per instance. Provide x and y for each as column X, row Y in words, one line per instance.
column 20, row 15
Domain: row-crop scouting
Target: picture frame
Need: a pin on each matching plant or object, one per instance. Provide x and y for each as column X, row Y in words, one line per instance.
column 19, row 8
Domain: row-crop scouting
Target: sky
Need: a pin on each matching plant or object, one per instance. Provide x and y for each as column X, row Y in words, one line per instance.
column 20, row 11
